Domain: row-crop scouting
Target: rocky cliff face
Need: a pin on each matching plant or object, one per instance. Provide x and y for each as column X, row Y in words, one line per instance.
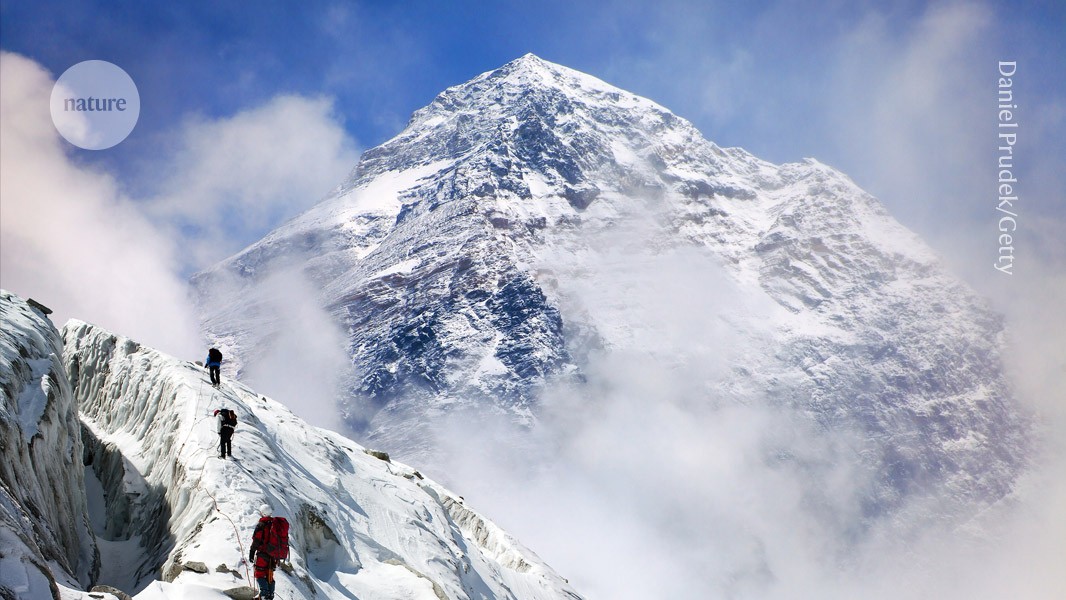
column 45, row 534
column 455, row 255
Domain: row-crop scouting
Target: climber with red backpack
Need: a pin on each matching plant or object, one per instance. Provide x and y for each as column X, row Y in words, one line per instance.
column 270, row 545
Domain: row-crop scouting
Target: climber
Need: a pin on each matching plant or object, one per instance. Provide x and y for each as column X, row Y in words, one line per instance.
column 270, row 545
column 214, row 364
column 227, row 422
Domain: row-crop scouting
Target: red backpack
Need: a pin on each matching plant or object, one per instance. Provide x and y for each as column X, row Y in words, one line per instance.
column 275, row 542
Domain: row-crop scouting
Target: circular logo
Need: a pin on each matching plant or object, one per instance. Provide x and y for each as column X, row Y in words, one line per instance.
column 95, row 105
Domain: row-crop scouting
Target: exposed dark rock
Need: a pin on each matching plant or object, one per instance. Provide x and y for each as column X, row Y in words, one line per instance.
column 240, row 593
column 106, row 589
column 378, row 455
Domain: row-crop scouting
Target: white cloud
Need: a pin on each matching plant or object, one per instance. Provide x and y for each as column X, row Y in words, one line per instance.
column 648, row 479
column 70, row 238
column 74, row 241
column 911, row 111
column 306, row 363
column 232, row 179
column 915, row 111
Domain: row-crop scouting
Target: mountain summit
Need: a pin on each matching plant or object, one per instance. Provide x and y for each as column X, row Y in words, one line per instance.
column 534, row 116
column 531, row 220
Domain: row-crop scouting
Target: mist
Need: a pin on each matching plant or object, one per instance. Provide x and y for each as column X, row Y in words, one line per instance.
column 72, row 239
column 227, row 182
column 652, row 479
column 304, row 363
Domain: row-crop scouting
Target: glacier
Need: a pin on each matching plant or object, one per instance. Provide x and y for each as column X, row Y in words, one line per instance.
column 121, row 485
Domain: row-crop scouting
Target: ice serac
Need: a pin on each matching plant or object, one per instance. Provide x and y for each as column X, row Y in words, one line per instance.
column 45, row 535
column 452, row 253
column 362, row 526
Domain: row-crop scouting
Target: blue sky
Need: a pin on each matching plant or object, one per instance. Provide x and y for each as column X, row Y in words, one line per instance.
column 382, row 60
column 900, row 96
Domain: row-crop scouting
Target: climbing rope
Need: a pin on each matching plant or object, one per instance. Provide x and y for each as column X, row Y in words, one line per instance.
column 236, row 533
column 214, row 501
column 182, row 447
column 196, row 407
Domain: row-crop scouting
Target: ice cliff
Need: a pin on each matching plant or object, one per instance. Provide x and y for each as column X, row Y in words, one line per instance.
column 45, row 535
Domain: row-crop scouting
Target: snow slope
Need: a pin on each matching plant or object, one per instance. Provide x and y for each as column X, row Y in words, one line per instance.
column 45, row 536
column 458, row 259
column 362, row 526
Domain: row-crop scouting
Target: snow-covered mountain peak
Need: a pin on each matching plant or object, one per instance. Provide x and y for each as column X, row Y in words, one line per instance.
column 527, row 80
column 530, row 74
column 540, row 119
column 458, row 260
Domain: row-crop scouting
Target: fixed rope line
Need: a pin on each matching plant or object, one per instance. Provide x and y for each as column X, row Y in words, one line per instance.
column 236, row 533
column 199, row 482
column 196, row 407
column 182, row 447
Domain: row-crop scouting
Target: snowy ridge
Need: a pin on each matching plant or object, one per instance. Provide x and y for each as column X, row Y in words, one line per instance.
column 45, row 535
column 361, row 526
